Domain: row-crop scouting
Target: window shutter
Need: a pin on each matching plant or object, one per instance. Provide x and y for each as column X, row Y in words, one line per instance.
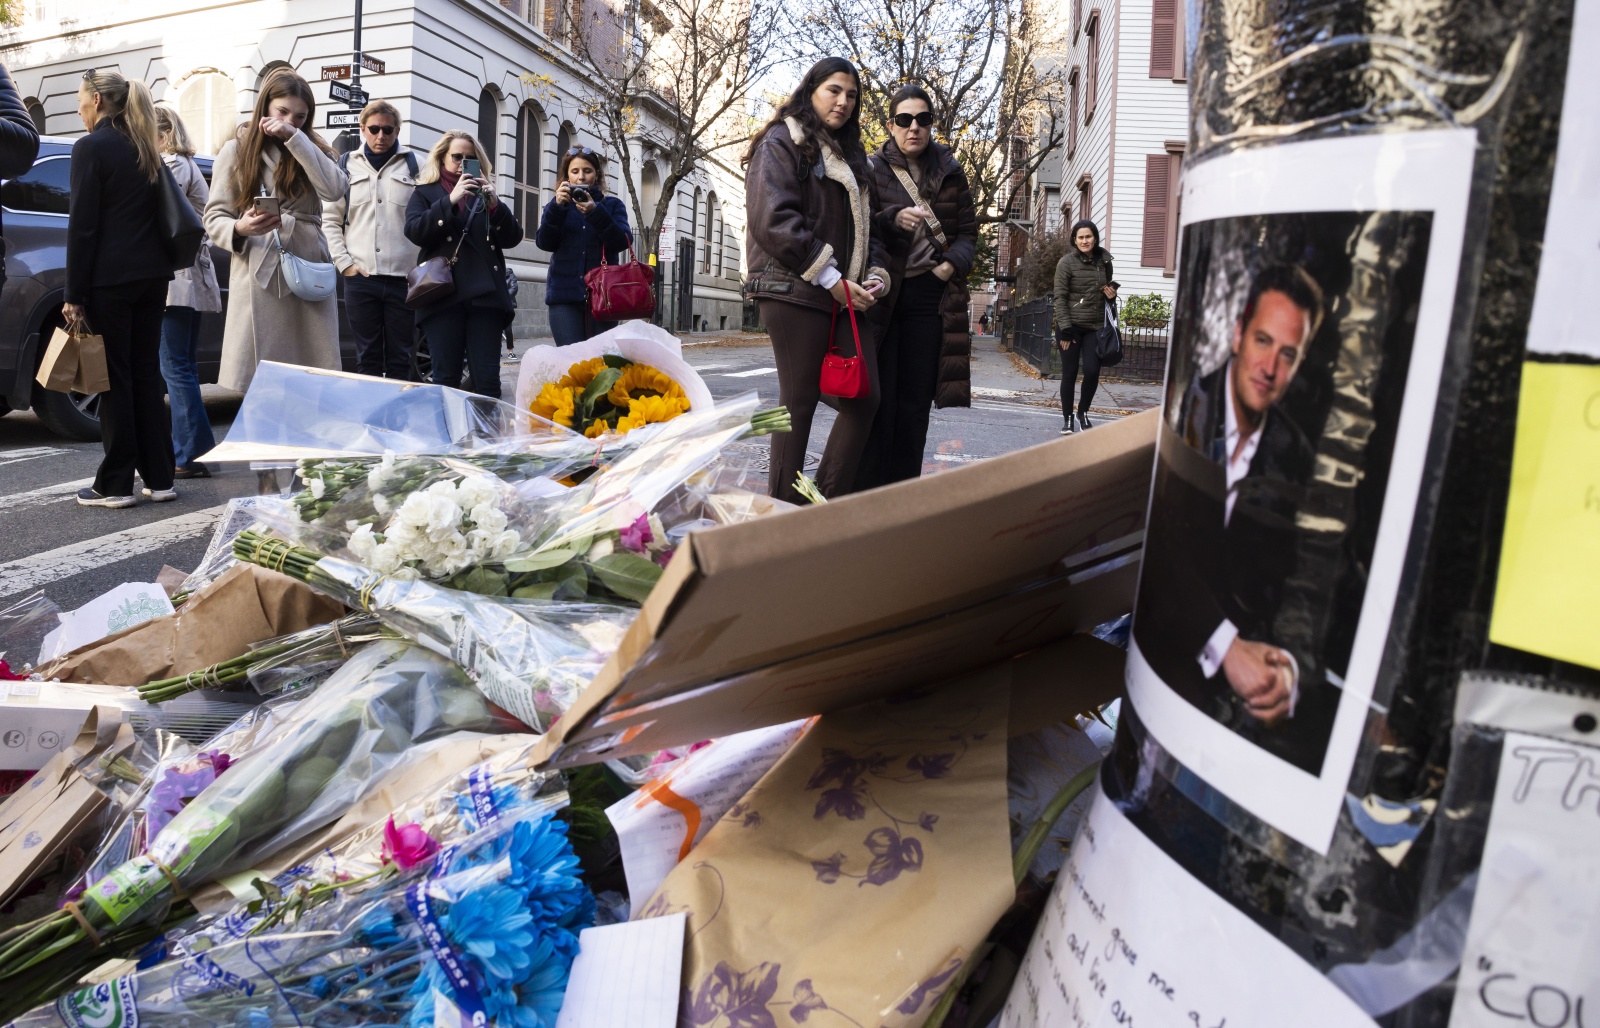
column 1091, row 86
column 1163, row 39
column 1072, row 112
column 1077, row 18
column 1157, row 184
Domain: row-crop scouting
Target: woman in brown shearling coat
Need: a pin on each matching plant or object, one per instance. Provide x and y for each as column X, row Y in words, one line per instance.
column 810, row 246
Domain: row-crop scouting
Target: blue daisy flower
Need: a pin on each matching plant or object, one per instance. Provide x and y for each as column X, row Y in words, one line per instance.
column 492, row 924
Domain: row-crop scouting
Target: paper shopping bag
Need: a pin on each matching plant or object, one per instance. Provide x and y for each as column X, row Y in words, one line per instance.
column 60, row 365
column 92, row 376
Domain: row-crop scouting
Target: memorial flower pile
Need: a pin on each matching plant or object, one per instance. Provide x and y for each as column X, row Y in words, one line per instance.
column 610, row 394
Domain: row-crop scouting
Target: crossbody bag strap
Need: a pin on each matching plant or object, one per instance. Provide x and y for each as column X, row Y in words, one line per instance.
column 916, row 198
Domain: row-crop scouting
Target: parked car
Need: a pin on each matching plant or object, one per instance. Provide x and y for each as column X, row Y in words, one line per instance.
column 30, row 304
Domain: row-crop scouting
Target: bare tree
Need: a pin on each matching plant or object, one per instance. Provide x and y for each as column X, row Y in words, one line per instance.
column 987, row 64
column 670, row 81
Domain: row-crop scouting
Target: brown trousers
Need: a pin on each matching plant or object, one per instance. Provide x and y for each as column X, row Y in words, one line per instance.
column 799, row 341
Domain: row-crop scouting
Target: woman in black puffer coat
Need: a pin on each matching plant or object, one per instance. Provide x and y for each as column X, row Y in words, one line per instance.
column 1084, row 282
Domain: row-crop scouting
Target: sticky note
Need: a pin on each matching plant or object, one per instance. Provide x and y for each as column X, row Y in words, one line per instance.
column 1545, row 601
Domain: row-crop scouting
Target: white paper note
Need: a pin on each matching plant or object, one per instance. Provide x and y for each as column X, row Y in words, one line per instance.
column 129, row 604
column 657, row 825
column 626, row 974
column 1533, row 945
column 1129, row 938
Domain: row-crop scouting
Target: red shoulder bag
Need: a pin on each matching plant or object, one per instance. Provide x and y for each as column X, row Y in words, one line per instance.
column 618, row 292
column 844, row 377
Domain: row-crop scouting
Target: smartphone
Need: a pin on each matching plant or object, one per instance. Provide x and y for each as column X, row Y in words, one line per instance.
column 268, row 205
column 472, row 168
column 578, row 194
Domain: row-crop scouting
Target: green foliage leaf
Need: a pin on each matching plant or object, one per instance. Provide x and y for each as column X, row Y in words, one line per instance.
column 627, row 574
column 616, row 360
column 599, row 387
column 536, row 591
column 483, row 581
column 541, row 561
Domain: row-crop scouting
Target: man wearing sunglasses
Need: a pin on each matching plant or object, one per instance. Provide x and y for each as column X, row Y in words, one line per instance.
column 367, row 237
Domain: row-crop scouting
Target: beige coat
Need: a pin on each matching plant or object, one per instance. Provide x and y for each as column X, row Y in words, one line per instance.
column 372, row 236
column 265, row 320
column 197, row 286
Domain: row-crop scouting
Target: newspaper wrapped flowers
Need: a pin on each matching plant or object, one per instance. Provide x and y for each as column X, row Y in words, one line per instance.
column 610, row 394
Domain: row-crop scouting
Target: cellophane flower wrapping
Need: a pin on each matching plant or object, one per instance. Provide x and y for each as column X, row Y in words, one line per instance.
column 491, row 927
column 321, row 756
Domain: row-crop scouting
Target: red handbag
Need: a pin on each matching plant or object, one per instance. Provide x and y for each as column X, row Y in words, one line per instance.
column 618, row 292
column 844, row 377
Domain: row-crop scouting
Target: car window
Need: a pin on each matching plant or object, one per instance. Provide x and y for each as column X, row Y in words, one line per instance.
column 45, row 188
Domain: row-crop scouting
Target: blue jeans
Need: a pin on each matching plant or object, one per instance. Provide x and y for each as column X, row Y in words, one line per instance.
column 191, row 428
column 572, row 323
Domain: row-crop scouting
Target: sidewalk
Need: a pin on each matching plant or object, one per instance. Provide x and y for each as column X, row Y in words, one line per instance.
column 1005, row 376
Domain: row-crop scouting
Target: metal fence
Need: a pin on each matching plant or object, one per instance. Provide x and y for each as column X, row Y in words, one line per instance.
column 1026, row 331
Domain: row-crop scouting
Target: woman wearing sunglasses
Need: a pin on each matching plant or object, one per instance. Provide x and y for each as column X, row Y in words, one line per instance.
column 929, row 224
column 576, row 227
column 810, row 246
column 454, row 213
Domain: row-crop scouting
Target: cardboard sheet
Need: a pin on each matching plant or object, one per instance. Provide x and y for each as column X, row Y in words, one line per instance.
column 832, row 606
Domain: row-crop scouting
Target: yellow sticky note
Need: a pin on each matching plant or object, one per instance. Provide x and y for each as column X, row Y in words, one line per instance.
column 1547, row 600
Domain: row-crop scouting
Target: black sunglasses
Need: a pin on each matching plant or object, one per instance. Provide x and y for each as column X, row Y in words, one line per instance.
column 924, row 119
column 380, row 130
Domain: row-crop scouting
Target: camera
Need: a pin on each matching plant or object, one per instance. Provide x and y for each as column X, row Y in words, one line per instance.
column 578, row 194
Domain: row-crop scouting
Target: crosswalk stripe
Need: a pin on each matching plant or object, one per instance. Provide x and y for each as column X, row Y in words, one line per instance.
column 46, row 494
column 748, row 374
column 23, row 453
column 29, row 573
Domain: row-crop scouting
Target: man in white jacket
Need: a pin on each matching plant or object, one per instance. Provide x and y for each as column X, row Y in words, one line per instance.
column 367, row 237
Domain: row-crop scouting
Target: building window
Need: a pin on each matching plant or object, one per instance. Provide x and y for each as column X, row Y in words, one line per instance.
column 555, row 19
column 563, row 142
column 1073, row 78
column 1167, row 40
column 209, row 107
column 530, row 144
column 694, row 222
column 1091, row 86
column 1086, row 200
column 489, row 123
column 1052, row 211
column 709, row 237
column 35, row 114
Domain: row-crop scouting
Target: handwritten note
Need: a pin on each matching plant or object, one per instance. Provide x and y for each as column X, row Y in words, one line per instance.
column 1131, row 939
column 1550, row 557
column 626, row 974
column 1533, row 951
column 658, row 825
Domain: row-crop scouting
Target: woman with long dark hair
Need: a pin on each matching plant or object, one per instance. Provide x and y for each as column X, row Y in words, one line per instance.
column 278, row 157
column 1084, row 283
column 810, row 248
column 929, row 222
column 580, row 227
column 456, row 215
column 117, row 274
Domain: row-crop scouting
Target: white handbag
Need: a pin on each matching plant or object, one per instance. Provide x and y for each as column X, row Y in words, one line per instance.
column 309, row 280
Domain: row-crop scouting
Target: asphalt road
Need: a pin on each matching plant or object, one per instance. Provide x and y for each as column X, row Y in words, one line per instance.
column 72, row 553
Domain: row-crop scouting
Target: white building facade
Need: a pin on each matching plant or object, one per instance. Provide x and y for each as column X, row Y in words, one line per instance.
column 1127, row 115
column 498, row 68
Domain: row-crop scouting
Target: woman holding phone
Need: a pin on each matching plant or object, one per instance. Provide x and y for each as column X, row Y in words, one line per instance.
column 576, row 227
column 454, row 212
column 267, row 190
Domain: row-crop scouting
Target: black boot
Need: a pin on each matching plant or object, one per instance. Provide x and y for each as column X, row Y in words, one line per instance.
column 1083, row 422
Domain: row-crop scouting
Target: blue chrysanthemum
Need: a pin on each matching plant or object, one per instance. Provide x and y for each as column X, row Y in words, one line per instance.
column 491, row 924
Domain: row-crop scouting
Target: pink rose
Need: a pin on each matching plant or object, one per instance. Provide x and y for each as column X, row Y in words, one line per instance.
column 407, row 845
column 637, row 536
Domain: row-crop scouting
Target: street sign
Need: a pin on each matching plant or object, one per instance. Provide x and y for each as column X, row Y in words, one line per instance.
column 335, row 71
column 352, row 96
column 344, row 119
column 372, row 64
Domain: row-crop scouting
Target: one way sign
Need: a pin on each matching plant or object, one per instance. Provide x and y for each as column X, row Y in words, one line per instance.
column 348, row 94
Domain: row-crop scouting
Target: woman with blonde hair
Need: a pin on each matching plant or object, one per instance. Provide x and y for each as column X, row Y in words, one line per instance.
column 118, row 268
column 268, row 186
column 455, row 214
column 193, row 292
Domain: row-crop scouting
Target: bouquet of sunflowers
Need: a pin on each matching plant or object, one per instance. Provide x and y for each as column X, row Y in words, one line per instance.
column 610, row 394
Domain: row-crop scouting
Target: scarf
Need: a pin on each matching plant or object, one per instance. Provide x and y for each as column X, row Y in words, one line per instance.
column 378, row 160
column 450, row 179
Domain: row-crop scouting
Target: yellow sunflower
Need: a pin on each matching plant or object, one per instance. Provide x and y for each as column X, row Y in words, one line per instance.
column 649, row 410
column 555, row 403
column 582, row 373
column 596, row 429
column 642, row 380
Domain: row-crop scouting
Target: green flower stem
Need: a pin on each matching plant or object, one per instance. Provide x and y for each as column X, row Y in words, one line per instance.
column 1031, row 844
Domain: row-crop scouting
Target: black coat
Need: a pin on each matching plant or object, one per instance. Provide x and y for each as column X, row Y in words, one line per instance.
column 113, row 221
column 19, row 142
column 574, row 240
column 434, row 224
column 1079, row 302
column 1199, row 570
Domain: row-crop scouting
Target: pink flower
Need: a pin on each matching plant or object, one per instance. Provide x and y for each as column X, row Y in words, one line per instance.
column 7, row 675
column 637, row 536
column 407, row 845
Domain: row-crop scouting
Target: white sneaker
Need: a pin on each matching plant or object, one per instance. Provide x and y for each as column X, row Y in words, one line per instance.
column 87, row 497
column 160, row 495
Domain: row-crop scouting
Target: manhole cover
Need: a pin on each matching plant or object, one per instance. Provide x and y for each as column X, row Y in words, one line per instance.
column 758, row 454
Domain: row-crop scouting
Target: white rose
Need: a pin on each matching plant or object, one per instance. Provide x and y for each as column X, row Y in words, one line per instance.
column 476, row 490
column 505, row 544
column 602, row 547
column 489, row 518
